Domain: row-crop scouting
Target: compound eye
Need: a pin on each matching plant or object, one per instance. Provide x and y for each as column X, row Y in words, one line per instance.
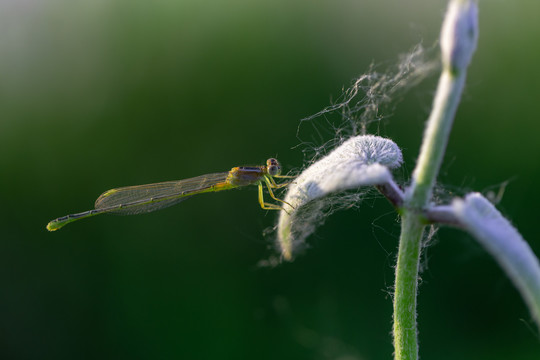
column 271, row 162
column 274, row 170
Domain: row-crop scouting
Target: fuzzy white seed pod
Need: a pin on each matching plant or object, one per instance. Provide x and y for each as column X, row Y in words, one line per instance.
column 359, row 161
column 459, row 34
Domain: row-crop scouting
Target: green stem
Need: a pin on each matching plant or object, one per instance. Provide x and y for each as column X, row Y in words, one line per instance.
column 405, row 343
column 436, row 137
column 458, row 42
column 416, row 199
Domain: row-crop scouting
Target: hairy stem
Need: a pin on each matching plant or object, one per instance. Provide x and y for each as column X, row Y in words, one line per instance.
column 405, row 343
column 458, row 41
column 416, row 200
column 436, row 137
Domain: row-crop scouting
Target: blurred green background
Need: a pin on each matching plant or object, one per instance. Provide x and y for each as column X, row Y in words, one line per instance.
column 99, row 94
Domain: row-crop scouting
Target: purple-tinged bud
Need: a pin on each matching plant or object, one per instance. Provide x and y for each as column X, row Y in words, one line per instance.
column 459, row 34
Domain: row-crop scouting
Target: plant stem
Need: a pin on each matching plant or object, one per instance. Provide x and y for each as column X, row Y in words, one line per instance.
column 458, row 41
column 459, row 35
column 436, row 137
column 416, row 200
column 405, row 343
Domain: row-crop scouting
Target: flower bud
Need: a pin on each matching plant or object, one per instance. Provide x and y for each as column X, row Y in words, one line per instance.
column 459, row 34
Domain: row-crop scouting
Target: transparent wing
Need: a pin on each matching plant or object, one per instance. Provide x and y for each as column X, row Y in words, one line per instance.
column 151, row 197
